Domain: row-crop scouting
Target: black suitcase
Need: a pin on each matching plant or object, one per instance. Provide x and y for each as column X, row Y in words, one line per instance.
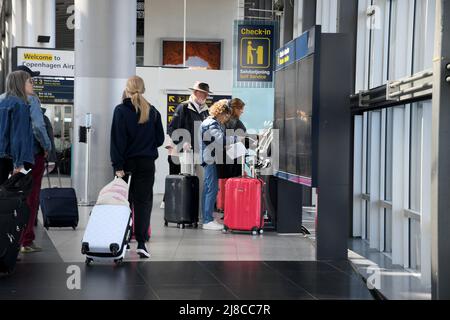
column 59, row 207
column 181, row 200
column 14, row 215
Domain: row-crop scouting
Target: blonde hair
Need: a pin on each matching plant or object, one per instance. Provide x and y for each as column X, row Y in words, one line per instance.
column 237, row 104
column 135, row 89
column 15, row 84
column 220, row 107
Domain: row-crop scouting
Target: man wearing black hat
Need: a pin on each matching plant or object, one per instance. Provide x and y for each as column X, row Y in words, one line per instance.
column 42, row 147
column 189, row 115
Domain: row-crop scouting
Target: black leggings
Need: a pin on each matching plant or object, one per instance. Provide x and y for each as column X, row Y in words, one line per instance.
column 141, row 194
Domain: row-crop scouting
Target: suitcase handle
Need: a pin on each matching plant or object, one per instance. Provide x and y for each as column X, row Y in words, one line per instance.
column 48, row 174
column 129, row 174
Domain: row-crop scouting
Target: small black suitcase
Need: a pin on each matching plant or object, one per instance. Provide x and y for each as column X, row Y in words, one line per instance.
column 59, row 207
column 181, row 200
column 14, row 215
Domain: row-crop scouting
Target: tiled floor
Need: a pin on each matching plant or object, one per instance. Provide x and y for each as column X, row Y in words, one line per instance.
column 173, row 244
column 394, row 282
column 224, row 280
column 187, row 264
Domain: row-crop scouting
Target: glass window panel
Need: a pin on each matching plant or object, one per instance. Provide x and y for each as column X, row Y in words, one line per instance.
column 388, row 230
column 389, row 155
column 414, row 244
column 415, row 160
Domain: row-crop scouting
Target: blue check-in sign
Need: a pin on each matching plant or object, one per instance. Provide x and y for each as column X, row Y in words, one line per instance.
column 256, row 53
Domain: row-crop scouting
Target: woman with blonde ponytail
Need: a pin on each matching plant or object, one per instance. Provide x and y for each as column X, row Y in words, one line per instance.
column 136, row 134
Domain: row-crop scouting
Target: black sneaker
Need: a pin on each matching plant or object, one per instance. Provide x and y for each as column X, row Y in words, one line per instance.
column 142, row 251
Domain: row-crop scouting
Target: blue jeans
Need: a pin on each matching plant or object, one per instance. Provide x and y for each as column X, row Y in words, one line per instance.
column 210, row 190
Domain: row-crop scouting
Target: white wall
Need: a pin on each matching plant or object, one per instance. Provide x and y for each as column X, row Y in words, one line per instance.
column 206, row 20
column 160, row 82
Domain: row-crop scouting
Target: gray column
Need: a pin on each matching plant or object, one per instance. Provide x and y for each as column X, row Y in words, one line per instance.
column 40, row 21
column 347, row 22
column 440, row 176
column 18, row 23
column 288, row 22
column 105, row 57
column 309, row 14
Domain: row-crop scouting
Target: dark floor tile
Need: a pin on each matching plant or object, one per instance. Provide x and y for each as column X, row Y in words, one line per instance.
column 322, row 278
column 55, row 275
column 194, row 292
column 180, row 273
column 237, row 272
column 49, row 253
column 34, row 275
column 344, row 266
column 282, row 290
column 112, row 277
column 91, row 293
column 301, row 266
column 46, row 256
column 339, row 291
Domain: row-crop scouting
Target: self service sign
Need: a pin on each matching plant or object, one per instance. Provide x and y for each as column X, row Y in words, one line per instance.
column 255, row 53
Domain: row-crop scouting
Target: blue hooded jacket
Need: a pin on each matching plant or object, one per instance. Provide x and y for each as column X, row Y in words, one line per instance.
column 16, row 133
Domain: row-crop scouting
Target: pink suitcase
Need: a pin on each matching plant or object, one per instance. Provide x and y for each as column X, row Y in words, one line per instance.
column 220, row 202
column 243, row 208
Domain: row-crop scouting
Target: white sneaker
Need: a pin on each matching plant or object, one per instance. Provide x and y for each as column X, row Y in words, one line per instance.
column 162, row 205
column 213, row 225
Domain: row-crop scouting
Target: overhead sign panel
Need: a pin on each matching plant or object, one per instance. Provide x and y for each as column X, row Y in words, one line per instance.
column 49, row 62
column 255, row 53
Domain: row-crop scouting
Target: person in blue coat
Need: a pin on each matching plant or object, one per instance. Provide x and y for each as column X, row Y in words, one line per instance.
column 213, row 141
column 136, row 134
column 16, row 132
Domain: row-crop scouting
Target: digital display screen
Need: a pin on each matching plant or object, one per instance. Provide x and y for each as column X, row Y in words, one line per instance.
column 293, row 118
column 54, row 90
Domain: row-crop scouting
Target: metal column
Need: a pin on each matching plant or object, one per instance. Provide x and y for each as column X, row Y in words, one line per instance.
column 41, row 21
column 105, row 56
column 288, row 22
column 440, row 202
column 309, row 14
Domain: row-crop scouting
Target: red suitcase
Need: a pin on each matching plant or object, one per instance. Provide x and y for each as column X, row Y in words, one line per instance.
column 220, row 201
column 243, row 209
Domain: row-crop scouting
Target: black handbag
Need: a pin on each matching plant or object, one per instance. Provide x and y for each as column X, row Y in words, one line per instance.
column 18, row 185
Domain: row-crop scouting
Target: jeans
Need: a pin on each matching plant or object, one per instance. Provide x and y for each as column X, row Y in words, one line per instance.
column 210, row 190
column 141, row 194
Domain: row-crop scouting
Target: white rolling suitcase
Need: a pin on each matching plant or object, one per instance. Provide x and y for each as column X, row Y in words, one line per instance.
column 107, row 234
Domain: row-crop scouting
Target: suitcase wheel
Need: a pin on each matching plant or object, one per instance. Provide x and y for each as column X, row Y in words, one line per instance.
column 261, row 231
column 118, row 262
column 195, row 225
column 225, row 229
column 74, row 228
column 181, row 225
column 166, row 224
column 114, row 248
column 88, row 261
column 84, row 248
column 255, row 231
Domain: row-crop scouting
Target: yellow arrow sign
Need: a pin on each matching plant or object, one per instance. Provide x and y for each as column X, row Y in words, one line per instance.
column 171, row 108
column 171, row 99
